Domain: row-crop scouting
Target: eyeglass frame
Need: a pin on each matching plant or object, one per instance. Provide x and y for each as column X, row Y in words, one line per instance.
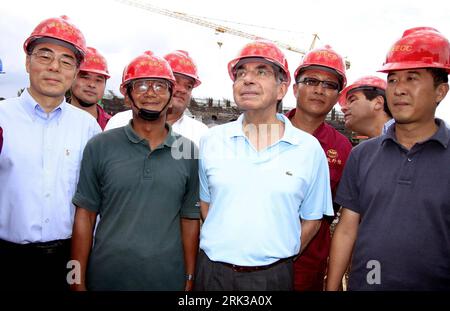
column 51, row 58
column 153, row 80
column 315, row 82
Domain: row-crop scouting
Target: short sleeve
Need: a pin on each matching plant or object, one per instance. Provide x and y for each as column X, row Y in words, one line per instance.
column 191, row 207
column 204, row 187
column 87, row 194
column 318, row 201
column 348, row 190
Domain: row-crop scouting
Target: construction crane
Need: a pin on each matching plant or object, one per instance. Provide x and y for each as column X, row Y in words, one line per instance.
column 217, row 27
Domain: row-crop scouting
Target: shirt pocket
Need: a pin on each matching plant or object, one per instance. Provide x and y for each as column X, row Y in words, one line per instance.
column 71, row 159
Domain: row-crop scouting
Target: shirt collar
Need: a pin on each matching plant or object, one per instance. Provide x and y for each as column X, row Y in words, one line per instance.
column 34, row 110
column 136, row 139
column 291, row 113
column 387, row 125
column 290, row 132
column 290, row 135
column 181, row 118
column 102, row 112
column 235, row 129
column 441, row 136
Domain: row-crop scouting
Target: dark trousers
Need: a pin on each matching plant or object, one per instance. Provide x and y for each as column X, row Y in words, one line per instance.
column 34, row 266
column 216, row 276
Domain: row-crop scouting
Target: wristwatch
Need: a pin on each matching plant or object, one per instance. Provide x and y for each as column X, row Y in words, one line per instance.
column 189, row 277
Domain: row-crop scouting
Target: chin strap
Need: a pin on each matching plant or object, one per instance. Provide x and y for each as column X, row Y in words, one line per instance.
column 146, row 114
column 150, row 115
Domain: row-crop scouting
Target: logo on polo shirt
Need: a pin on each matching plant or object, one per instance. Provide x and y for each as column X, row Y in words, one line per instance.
column 332, row 156
column 332, row 153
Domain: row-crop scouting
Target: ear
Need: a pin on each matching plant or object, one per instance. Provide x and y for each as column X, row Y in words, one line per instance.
column 76, row 74
column 27, row 63
column 127, row 100
column 378, row 103
column 168, row 109
column 282, row 90
column 170, row 106
column 295, row 89
column 123, row 90
column 441, row 92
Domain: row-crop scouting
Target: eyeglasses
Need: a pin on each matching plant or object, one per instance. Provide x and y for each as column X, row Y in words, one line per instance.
column 47, row 57
column 259, row 73
column 315, row 82
column 158, row 87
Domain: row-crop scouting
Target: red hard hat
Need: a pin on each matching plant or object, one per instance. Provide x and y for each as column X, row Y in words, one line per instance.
column 59, row 28
column 324, row 57
column 263, row 49
column 367, row 81
column 145, row 66
column 95, row 62
column 420, row 47
column 182, row 63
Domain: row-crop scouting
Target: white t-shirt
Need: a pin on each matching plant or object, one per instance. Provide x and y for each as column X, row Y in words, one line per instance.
column 119, row 119
column 186, row 126
column 190, row 128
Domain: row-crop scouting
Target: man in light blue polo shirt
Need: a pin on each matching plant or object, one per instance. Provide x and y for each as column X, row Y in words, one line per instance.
column 264, row 185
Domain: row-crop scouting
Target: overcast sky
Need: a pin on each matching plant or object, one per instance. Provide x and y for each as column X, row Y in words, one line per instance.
column 361, row 31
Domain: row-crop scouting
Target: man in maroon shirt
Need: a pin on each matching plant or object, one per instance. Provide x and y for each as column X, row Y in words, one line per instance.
column 89, row 86
column 318, row 80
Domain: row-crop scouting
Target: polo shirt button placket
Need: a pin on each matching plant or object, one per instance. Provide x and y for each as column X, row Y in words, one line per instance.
column 147, row 169
column 147, row 172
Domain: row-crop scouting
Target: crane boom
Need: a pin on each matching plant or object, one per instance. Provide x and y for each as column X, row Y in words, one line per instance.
column 195, row 20
column 217, row 27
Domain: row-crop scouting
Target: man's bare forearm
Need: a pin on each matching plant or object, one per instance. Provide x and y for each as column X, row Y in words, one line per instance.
column 204, row 208
column 342, row 248
column 82, row 237
column 309, row 230
column 190, row 231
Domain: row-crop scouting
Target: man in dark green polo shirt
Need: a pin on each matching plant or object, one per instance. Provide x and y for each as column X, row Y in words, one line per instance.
column 145, row 193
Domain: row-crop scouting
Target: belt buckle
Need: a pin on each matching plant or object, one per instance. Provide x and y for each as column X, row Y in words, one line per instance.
column 49, row 248
column 46, row 249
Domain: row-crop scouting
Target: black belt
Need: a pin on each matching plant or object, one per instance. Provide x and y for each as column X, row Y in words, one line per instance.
column 237, row 268
column 49, row 247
